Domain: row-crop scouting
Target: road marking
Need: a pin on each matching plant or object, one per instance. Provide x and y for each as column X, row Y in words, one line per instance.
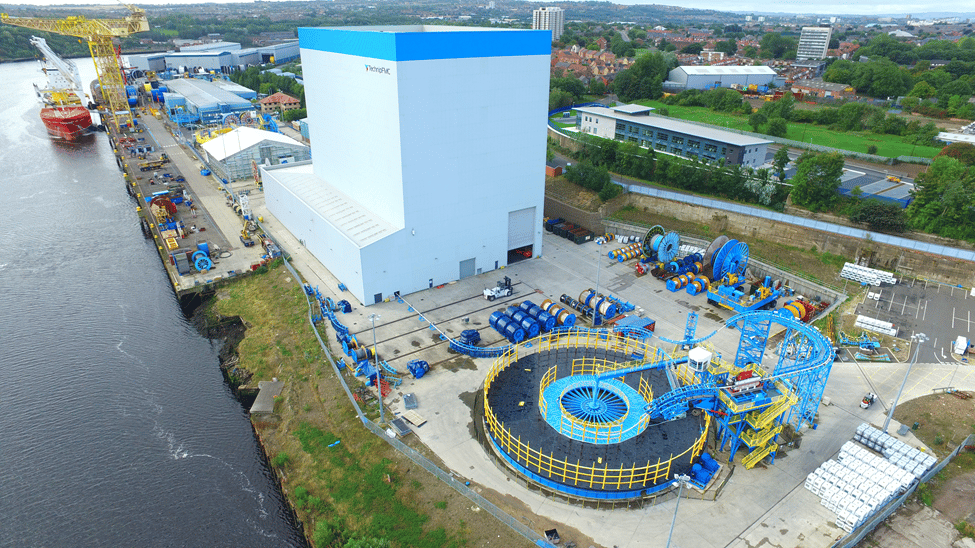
column 903, row 308
column 952, row 317
column 925, row 311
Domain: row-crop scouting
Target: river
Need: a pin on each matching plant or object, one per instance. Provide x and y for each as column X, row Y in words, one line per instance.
column 116, row 426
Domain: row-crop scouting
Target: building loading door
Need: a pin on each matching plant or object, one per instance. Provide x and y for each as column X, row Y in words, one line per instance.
column 466, row 268
column 521, row 228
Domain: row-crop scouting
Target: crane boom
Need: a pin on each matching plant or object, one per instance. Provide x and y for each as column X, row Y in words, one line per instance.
column 67, row 71
column 99, row 34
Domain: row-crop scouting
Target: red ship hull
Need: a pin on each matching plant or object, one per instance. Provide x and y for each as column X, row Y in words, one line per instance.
column 68, row 122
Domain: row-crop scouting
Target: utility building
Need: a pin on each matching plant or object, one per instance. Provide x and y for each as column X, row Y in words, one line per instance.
column 813, row 43
column 404, row 193
column 549, row 18
column 686, row 77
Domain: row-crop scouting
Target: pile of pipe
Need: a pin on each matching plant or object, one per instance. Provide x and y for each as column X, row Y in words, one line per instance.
column 563, row 317
column 618, row 238
column 800, row 310
column 700, row 284
column 606, row 305
column 691, row 264
column 626, row 253
column 680, row 282
column 546, row 321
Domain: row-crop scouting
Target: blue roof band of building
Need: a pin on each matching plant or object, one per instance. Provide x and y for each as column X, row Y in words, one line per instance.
column 425, row 42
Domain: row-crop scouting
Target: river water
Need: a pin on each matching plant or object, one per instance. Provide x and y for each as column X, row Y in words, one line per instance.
column 116, row 427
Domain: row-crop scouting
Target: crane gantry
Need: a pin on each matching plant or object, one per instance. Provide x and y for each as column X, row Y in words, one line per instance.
column 99, row 34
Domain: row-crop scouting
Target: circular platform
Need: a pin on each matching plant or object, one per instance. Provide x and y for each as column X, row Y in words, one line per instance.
column 548, row 421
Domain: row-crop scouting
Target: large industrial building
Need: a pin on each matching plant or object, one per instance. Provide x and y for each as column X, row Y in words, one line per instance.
column 232, row 155
column 549, row 18
column 194, row 100
column 686, row 77
column 635, row 124
column 404, row 193
column 813, row 43
column 225, row 57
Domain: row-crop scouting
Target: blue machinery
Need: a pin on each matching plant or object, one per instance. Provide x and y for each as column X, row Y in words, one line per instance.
column 750, row 400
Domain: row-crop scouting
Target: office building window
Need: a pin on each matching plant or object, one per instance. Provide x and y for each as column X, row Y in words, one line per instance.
column 710, row 148
column 662, row 136
column 620, row 126
column 677, row 140
column 694, row 144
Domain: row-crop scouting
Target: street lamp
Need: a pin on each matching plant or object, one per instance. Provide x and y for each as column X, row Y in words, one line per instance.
column 918, row 339
column 681, row 481
column 379, row 372
column 595, row 307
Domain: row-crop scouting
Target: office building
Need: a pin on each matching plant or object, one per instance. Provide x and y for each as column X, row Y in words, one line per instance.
column 814, row 42
column 549, row 18
column 635, row 124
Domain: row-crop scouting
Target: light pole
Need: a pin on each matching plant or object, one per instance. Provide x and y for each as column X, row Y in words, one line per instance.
column 681, row 481
column 919, row 339
column 379, row 372
column 595, row 306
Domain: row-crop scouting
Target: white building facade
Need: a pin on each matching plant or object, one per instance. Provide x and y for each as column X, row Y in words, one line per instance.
column 549, row 18
column 407, row 189
column 813, row 43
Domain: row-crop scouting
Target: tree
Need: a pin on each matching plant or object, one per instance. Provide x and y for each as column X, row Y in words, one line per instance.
column 729, row 47
column 757, row 120
column 880, row 216
column 367, row 543
column 777, row 127
column 923, row 90
column 692, row 49
column 559, row 98
column 816, row 180
column 750, row 52
column 780, row 161
column 942, row 200
column 963, row 152
column 644, row 79
column 597, row 86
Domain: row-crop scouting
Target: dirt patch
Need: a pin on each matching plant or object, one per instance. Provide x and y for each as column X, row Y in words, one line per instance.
column 572, row 194
column 956, row 497
column 944, row 420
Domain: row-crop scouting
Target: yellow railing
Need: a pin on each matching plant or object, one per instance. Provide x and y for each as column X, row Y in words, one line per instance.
column 578, row 474
column 756, row 456
column 760, row 420
column 645, row 390
column 547, row 379
column 754, row 438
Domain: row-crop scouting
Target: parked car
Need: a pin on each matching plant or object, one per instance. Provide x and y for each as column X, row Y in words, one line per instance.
column 868, row 400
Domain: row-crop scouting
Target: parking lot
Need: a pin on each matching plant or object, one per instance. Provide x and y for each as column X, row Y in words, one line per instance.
column 941, row 312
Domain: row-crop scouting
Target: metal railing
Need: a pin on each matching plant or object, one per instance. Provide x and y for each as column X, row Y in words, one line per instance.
column 854, row 538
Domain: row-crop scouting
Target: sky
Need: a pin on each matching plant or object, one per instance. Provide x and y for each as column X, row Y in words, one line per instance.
column 897, row 8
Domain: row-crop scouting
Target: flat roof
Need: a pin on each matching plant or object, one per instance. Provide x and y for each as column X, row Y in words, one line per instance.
column 954, row 137
column 669, row 124
column 361, row 226
column 632, row 109
column 242, row 138
column 712, row 70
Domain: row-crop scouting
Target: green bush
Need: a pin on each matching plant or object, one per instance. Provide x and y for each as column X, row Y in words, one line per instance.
column 281, row 460
column 872, row 149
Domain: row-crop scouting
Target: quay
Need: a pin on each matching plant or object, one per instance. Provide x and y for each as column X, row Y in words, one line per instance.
column 189, row 215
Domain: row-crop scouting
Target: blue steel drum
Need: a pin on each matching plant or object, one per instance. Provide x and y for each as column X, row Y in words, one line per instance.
column 526, row 305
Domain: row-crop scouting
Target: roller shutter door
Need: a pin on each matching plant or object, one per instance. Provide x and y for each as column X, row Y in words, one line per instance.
column 521, row 228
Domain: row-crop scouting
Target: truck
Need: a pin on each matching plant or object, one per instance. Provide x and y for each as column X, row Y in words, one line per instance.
column 961, row 346
column 503, row 289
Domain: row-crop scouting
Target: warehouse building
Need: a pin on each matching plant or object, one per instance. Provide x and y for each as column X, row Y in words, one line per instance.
column 403, row 193
column 635, row 124
column 194, row 100
column 232, row 156
column 686, row 77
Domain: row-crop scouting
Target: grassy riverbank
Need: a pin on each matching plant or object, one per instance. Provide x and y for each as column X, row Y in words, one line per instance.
column 361, row 488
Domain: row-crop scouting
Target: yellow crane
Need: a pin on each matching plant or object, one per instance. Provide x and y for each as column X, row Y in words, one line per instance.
column 99, row 34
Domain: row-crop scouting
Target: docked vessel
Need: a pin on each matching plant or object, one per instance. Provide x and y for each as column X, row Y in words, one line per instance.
column 63, row 112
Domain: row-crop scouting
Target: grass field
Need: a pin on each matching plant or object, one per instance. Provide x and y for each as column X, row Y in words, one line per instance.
column 890, row 146
column 359, row 487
